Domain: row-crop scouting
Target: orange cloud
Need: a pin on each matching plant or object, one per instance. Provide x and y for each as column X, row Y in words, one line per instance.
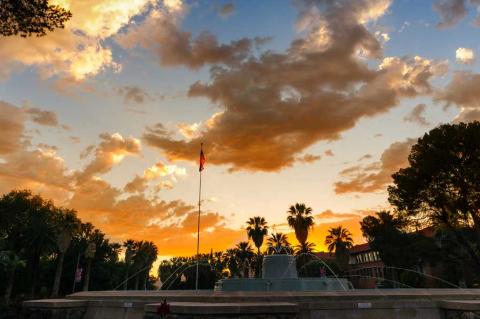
column 275, row 106
column 11, row 127
column 376, row 176
column 111, row 150
column 78, row 51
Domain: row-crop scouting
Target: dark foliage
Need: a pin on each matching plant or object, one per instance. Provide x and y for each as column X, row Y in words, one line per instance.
column 30, row 17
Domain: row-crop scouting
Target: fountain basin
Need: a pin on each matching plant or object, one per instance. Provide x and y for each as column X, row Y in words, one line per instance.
column 279, row 273
column 288, row 284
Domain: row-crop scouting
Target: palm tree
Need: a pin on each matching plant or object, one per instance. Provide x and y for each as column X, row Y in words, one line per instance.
column 151, row 254
column 10, row 262
column 93, row 238
column 66, row 226
column 305, row 248
column 145, row 255
column 244, row 256
column 230, row 259
column 278, row 243
column 129, row 252
column 339, row 239
column 257, row 229
column 301, row 220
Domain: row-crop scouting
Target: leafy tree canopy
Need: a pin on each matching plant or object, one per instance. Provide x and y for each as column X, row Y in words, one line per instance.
column 31, row 17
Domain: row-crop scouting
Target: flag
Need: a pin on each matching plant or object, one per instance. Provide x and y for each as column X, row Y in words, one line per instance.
column 202, row 159
column 78, row 275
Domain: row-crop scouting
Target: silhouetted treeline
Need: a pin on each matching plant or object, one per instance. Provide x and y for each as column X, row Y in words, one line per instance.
column 46, row 251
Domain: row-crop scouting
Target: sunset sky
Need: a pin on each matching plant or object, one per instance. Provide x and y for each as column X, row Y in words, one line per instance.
column 314, row 101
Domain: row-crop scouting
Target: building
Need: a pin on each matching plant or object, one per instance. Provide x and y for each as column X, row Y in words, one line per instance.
column 366, row 269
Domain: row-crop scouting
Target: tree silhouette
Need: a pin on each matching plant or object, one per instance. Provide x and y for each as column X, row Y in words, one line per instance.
column 301, row 220
column 441, row 186
column 339, row 240
column 66, row 226
column 257, row 229
column 31, row 17
column 244, row 255
column 278, row 243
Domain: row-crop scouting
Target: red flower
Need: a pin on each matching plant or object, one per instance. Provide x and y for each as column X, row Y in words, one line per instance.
column 164, row 308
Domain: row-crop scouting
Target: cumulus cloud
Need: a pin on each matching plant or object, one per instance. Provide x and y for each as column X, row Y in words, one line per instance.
column 462, row 92
column 376, row 176
column 160, row 34
column 11, row 127
column 417, row 115
column 170, row 224
column 111, row 150
column 78, row 51
column 261, row 128
column 40, row 166
column 465, row 56
column 167, row 174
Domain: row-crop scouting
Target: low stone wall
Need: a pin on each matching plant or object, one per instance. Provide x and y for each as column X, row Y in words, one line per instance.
column 358, row 304
column 54, row 309
column 202, row 310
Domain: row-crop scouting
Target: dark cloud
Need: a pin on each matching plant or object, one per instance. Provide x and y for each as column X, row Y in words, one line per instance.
column 42, row 117
column 453, row 11
column 274, row 106
column 376, row 176
column 365, row 157
column 133, row 94
column 160, row 34
column 226, row 10
column 462, row 92
column 417, row 115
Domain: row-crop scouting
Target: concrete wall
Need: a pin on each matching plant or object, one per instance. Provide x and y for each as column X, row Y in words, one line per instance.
column 358, row 304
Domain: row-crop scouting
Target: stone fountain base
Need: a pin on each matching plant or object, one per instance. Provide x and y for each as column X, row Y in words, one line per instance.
column 358, row 304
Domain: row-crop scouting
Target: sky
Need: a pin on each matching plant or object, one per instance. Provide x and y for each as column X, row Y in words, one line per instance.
column 309, row 101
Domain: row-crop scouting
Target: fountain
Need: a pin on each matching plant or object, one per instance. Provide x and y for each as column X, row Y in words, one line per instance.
column 278, row 294
column 279, row 273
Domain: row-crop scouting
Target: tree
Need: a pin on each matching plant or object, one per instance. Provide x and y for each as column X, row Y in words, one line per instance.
column 305, row 248
column 150, row 253
column 301, row 220
column 244, row 255
column 129, row 245
column 304, row 253
column 278, row 243
column 387, row 233
column 441, row 186
column 339, row 240
column 10, row 262
column 31, row 17
column 257, row 229
column 66, row 225
column 230, row 259
column 26, row 221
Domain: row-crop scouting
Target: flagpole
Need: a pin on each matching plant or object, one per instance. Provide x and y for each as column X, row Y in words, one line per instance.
column 198, row 221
